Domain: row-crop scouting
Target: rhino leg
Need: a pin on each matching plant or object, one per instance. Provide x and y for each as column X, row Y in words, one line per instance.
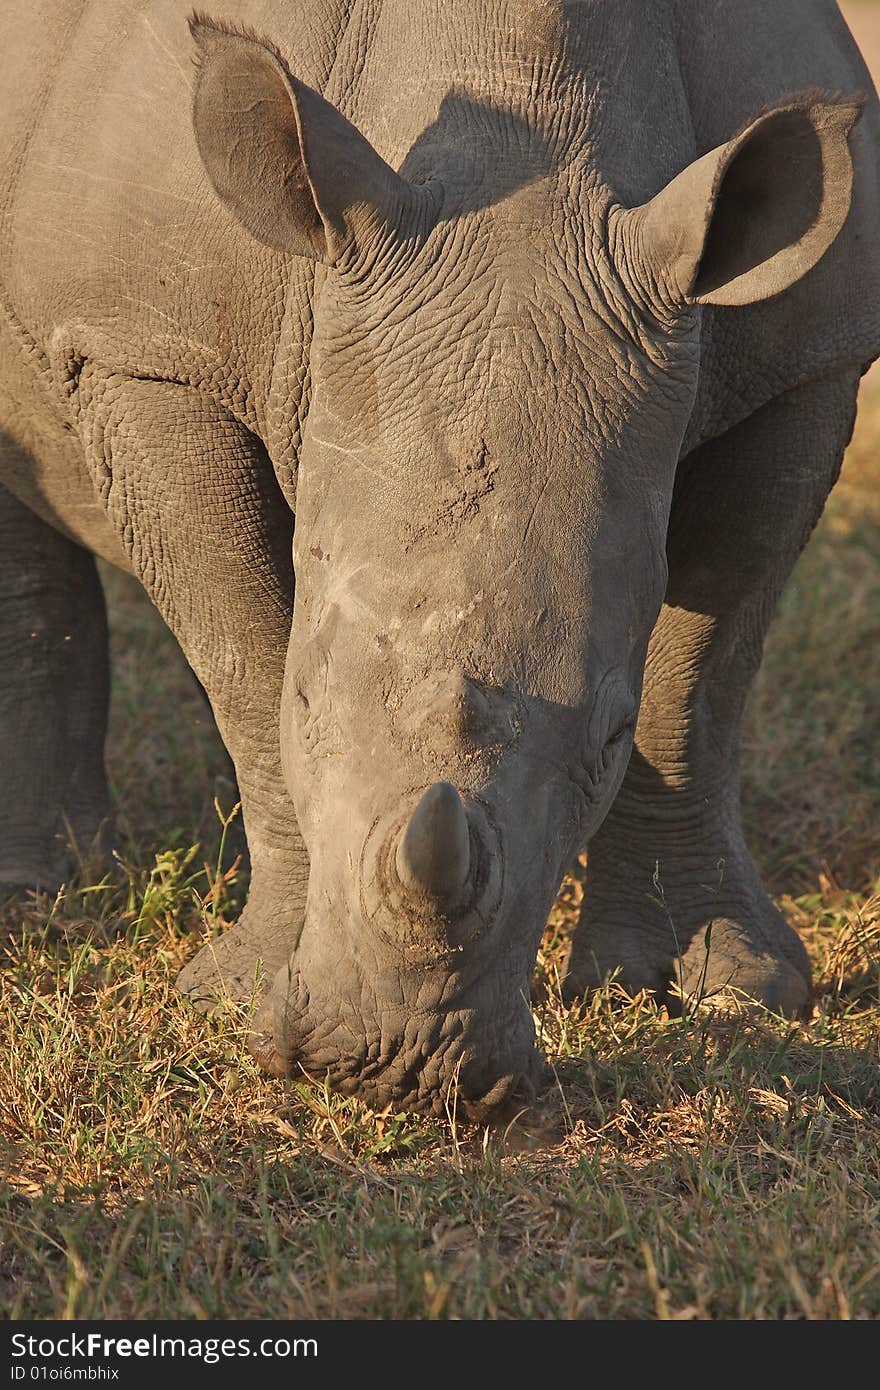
column 53, row 703
column 192, row 496
column 671, row 857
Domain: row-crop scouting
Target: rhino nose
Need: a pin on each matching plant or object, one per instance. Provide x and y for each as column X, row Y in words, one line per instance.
column 433, row 858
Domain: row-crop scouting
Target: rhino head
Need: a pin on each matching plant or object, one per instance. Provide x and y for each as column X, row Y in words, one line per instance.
column 504, row 359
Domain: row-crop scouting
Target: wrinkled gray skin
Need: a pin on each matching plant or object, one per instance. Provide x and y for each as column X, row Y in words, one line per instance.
column 550, row 340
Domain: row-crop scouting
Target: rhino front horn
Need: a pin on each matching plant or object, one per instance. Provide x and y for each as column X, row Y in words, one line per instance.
column 434, row 855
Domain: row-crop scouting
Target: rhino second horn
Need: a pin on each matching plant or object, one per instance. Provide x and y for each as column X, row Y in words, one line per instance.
column 434, row 855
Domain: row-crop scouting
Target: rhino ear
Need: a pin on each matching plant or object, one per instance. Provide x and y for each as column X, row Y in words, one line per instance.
column 299, row 176
column 751, row 217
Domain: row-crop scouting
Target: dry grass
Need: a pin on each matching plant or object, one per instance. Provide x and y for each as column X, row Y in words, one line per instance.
column 699, row 1168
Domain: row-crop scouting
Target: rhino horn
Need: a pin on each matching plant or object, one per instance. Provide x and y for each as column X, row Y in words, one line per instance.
column 433, row 855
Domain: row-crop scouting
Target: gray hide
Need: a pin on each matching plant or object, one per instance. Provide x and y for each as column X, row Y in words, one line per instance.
column 544, row 321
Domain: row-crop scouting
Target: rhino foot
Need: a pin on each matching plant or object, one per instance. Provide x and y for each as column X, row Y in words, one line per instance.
column 236, row 966
column 750, row 953
column 725, row 961
column 46, row 873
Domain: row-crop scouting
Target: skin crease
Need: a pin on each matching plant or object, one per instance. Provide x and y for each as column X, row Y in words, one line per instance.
column 531, row 474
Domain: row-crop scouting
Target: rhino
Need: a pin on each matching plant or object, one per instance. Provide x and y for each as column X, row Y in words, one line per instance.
column 461, row 381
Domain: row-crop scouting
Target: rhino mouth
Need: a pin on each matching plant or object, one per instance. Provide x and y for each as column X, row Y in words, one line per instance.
column 436, row 1063
column 415, row 994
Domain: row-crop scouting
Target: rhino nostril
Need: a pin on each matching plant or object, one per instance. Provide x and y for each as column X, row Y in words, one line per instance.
column 433, row 856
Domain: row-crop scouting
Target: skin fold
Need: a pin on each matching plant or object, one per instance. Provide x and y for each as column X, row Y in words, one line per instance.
column 532, row 331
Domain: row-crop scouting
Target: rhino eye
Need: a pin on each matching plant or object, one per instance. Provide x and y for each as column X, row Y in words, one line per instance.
column 623, row 730
column 597, row 763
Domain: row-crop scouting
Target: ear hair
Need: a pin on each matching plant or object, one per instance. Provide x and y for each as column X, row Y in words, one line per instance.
column 202, row 26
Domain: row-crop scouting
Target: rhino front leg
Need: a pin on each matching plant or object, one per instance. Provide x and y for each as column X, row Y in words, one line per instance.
column 192, row 495
column 53, row 703
column 671, row 857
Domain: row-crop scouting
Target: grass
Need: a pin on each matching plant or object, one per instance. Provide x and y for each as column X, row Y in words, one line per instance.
column 705, row 1167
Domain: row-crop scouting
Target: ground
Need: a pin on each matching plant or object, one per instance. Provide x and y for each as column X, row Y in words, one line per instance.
column 703, row 1167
